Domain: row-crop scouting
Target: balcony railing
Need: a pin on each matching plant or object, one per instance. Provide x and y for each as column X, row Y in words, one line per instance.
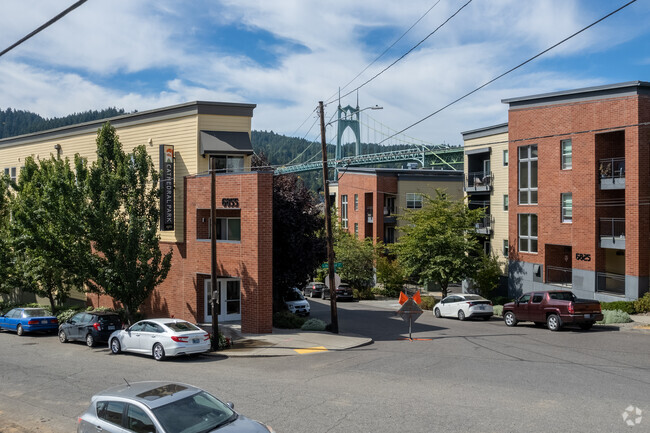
column 485, row 225
column 558, row 275
column 478, row 181
column 612, row 173
column 610, row 283
column 612, row 233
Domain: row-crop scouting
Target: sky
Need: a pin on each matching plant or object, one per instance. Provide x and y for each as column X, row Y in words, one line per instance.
column 286, row 55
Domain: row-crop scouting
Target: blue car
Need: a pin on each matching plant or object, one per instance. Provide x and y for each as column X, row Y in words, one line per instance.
column 24, row 320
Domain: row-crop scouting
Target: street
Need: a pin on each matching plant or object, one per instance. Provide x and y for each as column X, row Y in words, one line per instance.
column 470, row 376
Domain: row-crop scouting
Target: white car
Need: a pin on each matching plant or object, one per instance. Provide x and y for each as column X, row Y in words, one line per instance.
column 160, row 338
column 296, row 302
column 464, row 306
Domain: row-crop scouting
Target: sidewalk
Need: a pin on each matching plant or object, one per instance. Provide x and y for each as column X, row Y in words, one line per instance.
column 285, row 342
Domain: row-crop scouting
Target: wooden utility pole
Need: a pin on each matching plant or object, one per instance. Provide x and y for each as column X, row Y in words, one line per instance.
column 328, row 225
column 213, row 250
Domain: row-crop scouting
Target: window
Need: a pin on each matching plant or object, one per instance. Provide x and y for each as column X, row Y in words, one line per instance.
column 229, row 229
column 537, row 298
column 228, row 164
column 389, row 206
column 389, row 235
column 567, row 207
column 505, row 158
column 506, row 247
column 356, row 202
column 528, row 233
column 505, row 202
column 344, row 211
column 413, row 200
column 528, row 174
column 566, row 154
column 523, row 299
column 6, row 171
column 110, row 411
column 138, row 421
column 356, row 230
column 13, row 174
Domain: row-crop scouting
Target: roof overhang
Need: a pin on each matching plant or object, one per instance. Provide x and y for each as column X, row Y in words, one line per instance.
column 225, row 142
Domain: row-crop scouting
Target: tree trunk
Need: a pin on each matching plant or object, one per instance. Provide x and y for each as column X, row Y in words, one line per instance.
column 50, row 296
column 443, row 288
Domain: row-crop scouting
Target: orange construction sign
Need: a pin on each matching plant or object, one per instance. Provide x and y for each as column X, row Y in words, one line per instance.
column 403, row 298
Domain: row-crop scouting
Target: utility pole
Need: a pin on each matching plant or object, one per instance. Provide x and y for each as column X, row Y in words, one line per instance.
column 213, row 251
column 328, row 225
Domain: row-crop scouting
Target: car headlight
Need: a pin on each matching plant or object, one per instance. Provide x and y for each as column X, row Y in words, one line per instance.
column 268, row 427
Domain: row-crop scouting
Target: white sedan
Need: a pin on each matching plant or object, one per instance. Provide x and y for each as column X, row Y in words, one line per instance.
column 464, row 306
column 160, row 338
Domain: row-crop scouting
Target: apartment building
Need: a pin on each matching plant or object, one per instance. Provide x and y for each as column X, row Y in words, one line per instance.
column 185, row 139
column 579, row 170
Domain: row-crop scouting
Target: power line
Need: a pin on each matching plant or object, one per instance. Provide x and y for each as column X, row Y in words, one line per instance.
column 510, row 70
column 44, row 26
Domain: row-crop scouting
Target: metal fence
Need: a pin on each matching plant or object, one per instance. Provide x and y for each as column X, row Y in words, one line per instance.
column 558, row 275
column 478, row 179
column 612, row 227
column 612, row 168
column 610, row 283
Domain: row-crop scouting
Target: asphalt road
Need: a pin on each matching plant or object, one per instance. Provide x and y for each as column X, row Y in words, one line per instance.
column 470, row 376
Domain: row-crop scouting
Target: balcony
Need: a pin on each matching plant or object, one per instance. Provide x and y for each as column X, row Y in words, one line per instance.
column 612, row 173
column 559, row 276
column 612, row 233
column 484, row 227
column 478, row 181
column 611, row 284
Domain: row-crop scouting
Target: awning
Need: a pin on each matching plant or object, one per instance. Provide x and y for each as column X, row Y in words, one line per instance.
column 224, row 142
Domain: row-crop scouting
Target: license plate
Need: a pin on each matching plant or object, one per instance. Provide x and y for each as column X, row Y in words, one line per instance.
column 111, row 327
column 196, row 340
column 587, row 316
column 481, row 307
column 44, row 322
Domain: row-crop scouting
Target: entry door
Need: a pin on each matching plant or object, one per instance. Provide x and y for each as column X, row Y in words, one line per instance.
column 230, row 290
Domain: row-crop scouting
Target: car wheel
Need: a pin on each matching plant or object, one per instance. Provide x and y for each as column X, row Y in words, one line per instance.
column 553, row 322
column 510, row 318
column 436, row 312
column 461, row 315
column 158, row 352
column 90, row 340
column 586, row 326
column 62, row 337
column 19, row 330
column 115, row 346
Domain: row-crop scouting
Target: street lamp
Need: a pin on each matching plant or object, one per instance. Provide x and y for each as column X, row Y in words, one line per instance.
column 328, row 218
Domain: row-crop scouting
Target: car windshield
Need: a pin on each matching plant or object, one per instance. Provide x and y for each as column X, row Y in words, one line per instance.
column 198, row 413
column 182, row 326
column 562, row 296
column 293, row 295
column 39, row 312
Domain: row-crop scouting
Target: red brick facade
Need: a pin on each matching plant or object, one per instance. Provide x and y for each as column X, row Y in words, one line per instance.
column 613, row 125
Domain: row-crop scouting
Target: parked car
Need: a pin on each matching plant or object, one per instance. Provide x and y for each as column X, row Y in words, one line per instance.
column 24, row 320
column 343, row 292
column 315, row 289
column 555, row 308
column 464, row 306
column 92, row 327
column 160, row 338
column 162, row 407
column 296, row 302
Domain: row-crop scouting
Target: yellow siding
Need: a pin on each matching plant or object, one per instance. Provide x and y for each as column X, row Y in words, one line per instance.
column 454, row 191
column 211, row 122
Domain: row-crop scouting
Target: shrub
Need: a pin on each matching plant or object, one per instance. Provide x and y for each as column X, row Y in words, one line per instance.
column 498, row 310
column 615, row 316
column 287, row 320
column 626, row 306
column 500, row 300
column 223, row 343
column 314, row 325
column 65, row 315
column 642, row 305
column 365, row 294
column 428, row 302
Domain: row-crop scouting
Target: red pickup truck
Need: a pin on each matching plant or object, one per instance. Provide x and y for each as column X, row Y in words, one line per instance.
column 555, row 308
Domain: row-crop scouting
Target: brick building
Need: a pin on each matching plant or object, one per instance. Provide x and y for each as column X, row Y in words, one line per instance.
column 580, row 182
column 188, row 137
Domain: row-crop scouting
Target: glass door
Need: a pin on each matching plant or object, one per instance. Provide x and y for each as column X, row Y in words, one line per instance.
column 230, row 305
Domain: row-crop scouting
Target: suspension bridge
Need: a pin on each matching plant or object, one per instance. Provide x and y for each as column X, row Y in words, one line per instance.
column 436, row 156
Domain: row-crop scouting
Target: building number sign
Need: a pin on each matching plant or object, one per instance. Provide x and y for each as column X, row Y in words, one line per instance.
column 583, row 257
column 230, row 202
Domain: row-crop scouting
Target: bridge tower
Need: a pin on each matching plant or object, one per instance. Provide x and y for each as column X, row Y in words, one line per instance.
column 348, row 117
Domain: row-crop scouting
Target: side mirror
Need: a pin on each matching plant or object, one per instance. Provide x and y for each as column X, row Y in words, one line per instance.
column 231, row 405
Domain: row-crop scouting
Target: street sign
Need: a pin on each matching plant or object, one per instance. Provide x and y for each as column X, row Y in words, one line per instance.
column 410, row 311
column 337, row 265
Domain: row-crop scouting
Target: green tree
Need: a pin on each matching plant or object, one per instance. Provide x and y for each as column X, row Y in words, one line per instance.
column 438, row 242
column 390, row 273
column 357, row 259
column 487, row 275
column 123, row 218
column 6, row 250
column 52, row 250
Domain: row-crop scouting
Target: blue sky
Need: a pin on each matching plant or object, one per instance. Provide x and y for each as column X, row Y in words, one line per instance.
column 286, row 55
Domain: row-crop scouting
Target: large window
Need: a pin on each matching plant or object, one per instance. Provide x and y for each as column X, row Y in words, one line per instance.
column 228, row 225
column 228, row 164
column 528, row 233
column 344, row 211
column 567, row 207
column 567, row 155
column 528, row 174
column 389, row 235
column 413, row 200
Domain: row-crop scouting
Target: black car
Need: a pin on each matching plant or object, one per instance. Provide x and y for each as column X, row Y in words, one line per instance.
column 314, row 290
column 91, row 327
column 343, row 292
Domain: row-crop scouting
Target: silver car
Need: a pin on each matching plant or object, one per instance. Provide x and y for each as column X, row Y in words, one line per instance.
column 162, row 407
column 160, row 338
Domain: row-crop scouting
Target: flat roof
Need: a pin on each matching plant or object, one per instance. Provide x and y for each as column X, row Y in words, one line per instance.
column 406, row 173
column 485, row 131
column 627, row 88
column 173, row 111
